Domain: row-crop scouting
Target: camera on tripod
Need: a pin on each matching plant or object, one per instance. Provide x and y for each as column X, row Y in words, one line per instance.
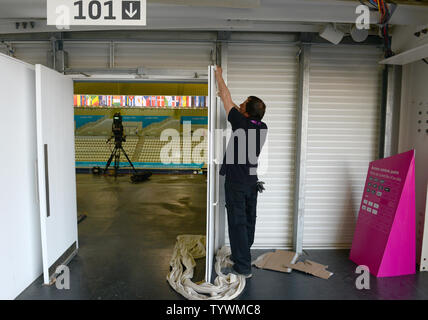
column 119, row 137
column 117, row 128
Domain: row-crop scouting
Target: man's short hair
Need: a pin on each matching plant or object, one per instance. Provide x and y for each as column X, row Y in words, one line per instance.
column 255, row 107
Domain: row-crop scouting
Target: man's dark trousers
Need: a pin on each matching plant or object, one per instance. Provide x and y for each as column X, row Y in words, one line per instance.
column 241, row 205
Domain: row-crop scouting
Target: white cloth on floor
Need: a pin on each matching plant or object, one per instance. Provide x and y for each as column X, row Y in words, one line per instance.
column 191, row 247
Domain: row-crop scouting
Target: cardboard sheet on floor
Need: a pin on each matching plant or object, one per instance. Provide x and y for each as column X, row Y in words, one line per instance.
column 276, row 260
column 285, row 261
column 313, row 268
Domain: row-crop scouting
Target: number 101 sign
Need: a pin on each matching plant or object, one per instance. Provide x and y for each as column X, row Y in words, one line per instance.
column 65, row 13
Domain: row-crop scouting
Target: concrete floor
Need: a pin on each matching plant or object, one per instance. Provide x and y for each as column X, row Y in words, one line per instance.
column 127, row 239
column 271, row 285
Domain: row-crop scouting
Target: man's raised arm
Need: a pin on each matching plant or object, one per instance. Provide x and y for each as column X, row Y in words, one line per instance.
column 223, row 91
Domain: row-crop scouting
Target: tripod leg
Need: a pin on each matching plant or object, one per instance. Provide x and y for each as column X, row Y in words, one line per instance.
column 117, row 161
column 135, row 171
column 110, row 159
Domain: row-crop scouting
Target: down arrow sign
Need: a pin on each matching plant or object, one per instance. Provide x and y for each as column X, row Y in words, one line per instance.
column 131, row 10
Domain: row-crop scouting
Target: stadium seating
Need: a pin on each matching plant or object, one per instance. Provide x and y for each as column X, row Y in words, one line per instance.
column 95, row 149
column 152, row 147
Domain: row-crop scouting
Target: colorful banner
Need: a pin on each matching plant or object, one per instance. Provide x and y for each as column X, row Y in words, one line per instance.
column 95, row 101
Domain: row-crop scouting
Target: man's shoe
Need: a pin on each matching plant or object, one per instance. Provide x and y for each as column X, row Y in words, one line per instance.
column 232, row 270
column 246, row 275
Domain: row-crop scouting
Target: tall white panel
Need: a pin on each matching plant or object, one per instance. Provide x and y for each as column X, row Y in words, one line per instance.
column 56, row 168
column 212, row 175
column 20, row 247
column 414, row 135
column 270, row 73
column 343, row 133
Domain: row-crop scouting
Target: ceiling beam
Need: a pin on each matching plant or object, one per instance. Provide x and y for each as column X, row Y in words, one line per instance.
column 423, row 3
column 270, row 16
column 238, row 4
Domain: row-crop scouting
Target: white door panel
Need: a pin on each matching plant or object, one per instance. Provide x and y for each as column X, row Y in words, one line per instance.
column 56, row 168
column 212, row 175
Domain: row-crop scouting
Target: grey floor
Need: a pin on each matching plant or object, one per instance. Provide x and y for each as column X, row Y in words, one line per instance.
column 127, row 240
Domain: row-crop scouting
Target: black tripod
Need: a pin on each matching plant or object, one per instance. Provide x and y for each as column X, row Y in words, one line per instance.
column 117, row 129
column 116, row 155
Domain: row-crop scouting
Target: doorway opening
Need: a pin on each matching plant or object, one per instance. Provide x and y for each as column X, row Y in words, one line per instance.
column 134, row 226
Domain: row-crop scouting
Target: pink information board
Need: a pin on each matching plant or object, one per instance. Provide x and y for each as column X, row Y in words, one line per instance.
column 385, row 234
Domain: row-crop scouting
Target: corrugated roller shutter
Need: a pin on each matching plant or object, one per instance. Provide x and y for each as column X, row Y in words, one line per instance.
column 32, row 52
column 343, row 132
column 3, row 50
column 87, row 54
column 270, row 72
column 193, row 57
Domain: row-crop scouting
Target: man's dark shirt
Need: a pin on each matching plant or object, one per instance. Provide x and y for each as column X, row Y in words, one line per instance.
column 239, row 171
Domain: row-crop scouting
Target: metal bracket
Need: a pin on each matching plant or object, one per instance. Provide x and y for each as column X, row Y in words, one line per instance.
column 301, row 147
column 223, row 35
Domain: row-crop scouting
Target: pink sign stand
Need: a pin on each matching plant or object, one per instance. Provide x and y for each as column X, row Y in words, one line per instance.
column 385, row 234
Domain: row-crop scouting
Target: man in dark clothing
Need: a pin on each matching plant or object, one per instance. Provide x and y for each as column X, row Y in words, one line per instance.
column 240, row 168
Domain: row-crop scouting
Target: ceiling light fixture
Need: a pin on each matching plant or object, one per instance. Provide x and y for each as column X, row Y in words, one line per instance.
column 330, row 33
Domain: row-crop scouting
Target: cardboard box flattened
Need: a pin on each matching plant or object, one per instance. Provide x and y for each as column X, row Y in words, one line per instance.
column 276, row 261
column 285, row 261
column 313, row 268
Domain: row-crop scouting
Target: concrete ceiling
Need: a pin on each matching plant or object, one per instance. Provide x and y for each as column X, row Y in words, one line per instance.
column 237, row 15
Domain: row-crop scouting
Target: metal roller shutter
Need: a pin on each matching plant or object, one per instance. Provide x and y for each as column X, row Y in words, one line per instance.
column 270, row 72
column 343, row 132
column 32, row 52
column 193, row 57
column 190, row 57
column 87, row 55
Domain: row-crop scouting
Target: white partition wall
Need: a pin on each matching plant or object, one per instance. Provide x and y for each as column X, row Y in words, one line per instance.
column 56, row 168
column 414, row 135
column 423, row 263
column 20, row 247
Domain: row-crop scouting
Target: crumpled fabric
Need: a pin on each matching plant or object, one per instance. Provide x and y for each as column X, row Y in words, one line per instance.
column 186, row 250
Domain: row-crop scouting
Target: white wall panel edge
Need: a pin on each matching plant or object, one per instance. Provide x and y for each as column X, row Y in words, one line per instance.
column 20, row 261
